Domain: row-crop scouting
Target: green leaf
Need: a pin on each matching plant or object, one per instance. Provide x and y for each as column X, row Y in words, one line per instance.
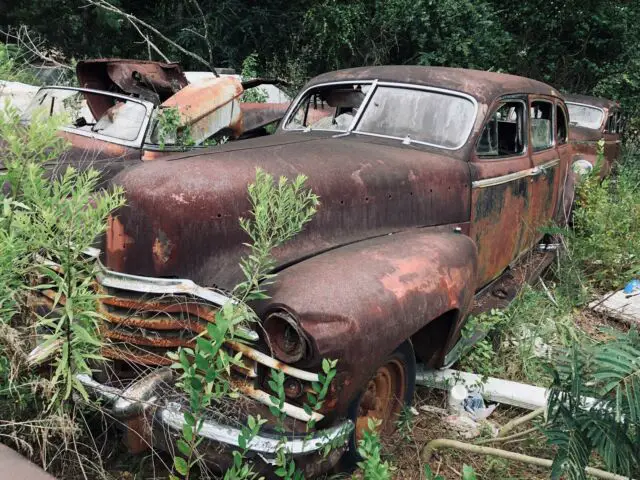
column 468, row 473
column 183, row 447
column 181, row 466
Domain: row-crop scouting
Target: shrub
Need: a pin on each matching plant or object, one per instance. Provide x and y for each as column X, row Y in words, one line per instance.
column 606, row 238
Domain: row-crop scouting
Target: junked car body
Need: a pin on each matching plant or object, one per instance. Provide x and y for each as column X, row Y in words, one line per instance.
column 592, row 119
column 116, row 117
column 434, row 183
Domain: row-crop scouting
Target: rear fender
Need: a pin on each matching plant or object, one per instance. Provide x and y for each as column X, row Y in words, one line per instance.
column 359, row 302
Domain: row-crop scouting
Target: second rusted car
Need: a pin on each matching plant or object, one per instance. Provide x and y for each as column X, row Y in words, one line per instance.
column 433, row 183
column 592, row 119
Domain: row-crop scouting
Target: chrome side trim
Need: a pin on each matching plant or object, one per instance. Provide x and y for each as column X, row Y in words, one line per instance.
column 529, row 172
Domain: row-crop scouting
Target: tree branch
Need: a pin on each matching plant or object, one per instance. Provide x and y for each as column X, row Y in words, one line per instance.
column 105, row 5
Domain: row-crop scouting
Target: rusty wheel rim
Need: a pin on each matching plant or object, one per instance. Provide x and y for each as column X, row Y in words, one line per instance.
column 382, row 399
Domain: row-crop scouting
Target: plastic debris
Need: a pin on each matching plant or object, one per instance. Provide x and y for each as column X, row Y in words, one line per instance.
column 474, row 406
column 632, row 288
column 456, row 398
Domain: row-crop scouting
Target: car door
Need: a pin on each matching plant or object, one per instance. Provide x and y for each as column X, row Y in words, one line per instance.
column 501, row 172
column 547, row 167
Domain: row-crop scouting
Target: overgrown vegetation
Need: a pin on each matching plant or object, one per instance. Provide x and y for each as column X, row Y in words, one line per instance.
column 45, row 220
column 249, row 71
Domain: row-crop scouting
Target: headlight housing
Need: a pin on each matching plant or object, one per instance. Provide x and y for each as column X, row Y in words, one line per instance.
column 581, row 166
column 287, row 339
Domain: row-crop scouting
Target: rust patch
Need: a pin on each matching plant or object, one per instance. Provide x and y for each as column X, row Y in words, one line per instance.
column 117, row 242
column 162, row 248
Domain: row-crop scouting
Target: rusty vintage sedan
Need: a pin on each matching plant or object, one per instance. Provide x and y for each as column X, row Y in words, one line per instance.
column 434, row 185
column 592, row 119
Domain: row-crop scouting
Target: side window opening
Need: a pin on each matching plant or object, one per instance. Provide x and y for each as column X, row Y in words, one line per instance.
column 541, row 125
column 562, row 125
column 505, row 132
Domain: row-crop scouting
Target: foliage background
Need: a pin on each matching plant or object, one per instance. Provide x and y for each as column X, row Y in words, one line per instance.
column 580, row 46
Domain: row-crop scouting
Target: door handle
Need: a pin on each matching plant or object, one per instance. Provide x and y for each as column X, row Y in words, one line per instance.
column 539, row 171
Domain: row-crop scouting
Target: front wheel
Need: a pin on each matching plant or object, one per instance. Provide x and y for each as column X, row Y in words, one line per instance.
column 387, row 393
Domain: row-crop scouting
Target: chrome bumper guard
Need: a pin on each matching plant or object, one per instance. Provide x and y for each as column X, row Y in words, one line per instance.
column 141, row 396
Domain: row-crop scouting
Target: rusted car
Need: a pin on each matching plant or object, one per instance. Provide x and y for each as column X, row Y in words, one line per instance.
column 592, row 119
column 434, row 184
column 116, row 117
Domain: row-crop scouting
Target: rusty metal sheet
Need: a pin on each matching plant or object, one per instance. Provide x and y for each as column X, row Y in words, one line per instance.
column 209, row 106
column 188, row 208
column 86, row 152
column 256, row 115
column 136, row 77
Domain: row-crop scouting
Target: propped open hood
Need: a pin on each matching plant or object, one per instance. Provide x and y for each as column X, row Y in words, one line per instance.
column 152, row 81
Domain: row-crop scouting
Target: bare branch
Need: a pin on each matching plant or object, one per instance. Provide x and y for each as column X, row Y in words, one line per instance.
column 104, row 4
column 23, row 38
column 205, row 26
column 150, row 44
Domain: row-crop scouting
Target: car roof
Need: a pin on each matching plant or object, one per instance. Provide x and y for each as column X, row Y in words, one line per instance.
column 594, row 101
column 483, row 86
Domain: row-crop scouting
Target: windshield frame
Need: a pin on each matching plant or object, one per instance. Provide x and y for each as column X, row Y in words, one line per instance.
column 136, row 142
column 365, row 102
column 593, row 107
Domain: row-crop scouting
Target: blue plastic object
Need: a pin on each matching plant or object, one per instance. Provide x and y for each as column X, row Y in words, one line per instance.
column 632, row 288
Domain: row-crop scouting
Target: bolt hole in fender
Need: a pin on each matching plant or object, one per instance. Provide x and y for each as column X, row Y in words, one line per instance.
column 387, row 392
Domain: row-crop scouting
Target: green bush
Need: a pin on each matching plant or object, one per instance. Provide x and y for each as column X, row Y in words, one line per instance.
column 44, row 219
column 605, row 243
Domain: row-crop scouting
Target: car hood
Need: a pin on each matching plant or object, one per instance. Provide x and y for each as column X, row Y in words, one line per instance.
column 181, row 217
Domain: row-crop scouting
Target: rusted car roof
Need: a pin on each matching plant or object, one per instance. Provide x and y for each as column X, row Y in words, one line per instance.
column 595, row 101
column 483, row 86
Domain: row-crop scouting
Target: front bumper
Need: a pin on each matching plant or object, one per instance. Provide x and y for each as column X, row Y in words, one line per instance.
column 141, row 399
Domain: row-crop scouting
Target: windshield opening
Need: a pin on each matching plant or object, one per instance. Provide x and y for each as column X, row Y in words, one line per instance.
column 585, row 116
column 91, row 113
column 433, row 117
column 423, row 116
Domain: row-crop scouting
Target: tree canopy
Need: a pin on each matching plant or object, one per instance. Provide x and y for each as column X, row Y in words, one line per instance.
column 580, row 46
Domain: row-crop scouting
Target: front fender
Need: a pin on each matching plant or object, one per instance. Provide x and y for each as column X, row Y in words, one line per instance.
column 359, row 302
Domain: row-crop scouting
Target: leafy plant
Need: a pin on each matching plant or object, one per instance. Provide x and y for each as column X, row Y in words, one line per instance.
column 607, row 227
column 370, row 449
column 171, row 129
column 278, row 212
column 46, row 218
column 609, row 373
column 56, row 221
